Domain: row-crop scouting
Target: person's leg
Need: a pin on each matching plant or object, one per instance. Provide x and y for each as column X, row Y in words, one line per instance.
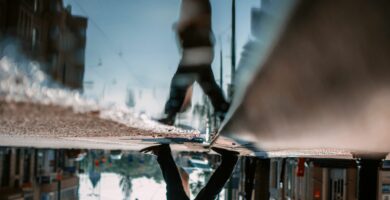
column 206, row 80
column 220, row 176
column 175, row 190
column 180, row 83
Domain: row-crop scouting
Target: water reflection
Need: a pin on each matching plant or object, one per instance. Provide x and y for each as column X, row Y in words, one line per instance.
column 125, row 166
column 27, row 173
column 48, row 174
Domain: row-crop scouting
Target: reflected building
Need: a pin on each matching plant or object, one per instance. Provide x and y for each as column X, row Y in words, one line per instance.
column 302, row 178
column 37, row 174
column 46, row 32
column 34, row 174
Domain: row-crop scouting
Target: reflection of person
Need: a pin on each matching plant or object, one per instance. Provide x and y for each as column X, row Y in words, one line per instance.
column 175, row 189
column 196, row 39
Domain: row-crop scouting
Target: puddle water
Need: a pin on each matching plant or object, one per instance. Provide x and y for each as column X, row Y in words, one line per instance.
column 93, row 174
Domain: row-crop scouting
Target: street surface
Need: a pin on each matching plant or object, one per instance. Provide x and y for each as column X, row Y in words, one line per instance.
column 45, row 126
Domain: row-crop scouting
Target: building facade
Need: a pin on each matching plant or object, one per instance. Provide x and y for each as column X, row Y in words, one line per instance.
column 46, row 32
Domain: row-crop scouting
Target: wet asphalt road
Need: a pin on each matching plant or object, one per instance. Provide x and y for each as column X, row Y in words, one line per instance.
column 45, row 126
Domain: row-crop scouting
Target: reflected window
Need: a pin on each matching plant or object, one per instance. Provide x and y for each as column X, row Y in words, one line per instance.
column 274, row 174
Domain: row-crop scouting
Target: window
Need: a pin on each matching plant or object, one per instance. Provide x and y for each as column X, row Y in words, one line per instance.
column 35, row 5
column 386, row 188
column 55, row 6
column 80, row 56
column 83, row 32
column 58, row 8
column 34, row 35
column 54, row 32
column 54, row 59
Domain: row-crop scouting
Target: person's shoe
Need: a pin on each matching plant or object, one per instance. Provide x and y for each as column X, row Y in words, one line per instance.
column 225, row 152
column 156, row 150
column 220, row 115
column 168, row 120
column 221, row 112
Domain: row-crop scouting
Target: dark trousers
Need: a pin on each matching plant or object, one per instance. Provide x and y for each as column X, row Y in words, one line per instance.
column 175, row 190
column 184, row 77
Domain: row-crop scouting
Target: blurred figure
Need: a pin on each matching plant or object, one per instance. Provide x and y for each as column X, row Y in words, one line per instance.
column 196, row 40
column 175, row 186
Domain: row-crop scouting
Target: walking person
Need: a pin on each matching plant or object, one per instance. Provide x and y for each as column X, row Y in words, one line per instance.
column 173, row 180
column 196, row 40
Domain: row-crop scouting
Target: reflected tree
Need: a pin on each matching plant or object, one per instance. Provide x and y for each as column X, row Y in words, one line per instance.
column 134, row 166
column 125, row 184
column 130, row 166
column 197, row 186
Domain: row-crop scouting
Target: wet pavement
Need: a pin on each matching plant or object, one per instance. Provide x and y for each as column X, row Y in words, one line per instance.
column 45, row 126
column 28, row 119
column 34, row 125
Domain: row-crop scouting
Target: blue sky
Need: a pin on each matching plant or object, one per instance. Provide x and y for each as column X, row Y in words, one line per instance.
column 131, row 44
